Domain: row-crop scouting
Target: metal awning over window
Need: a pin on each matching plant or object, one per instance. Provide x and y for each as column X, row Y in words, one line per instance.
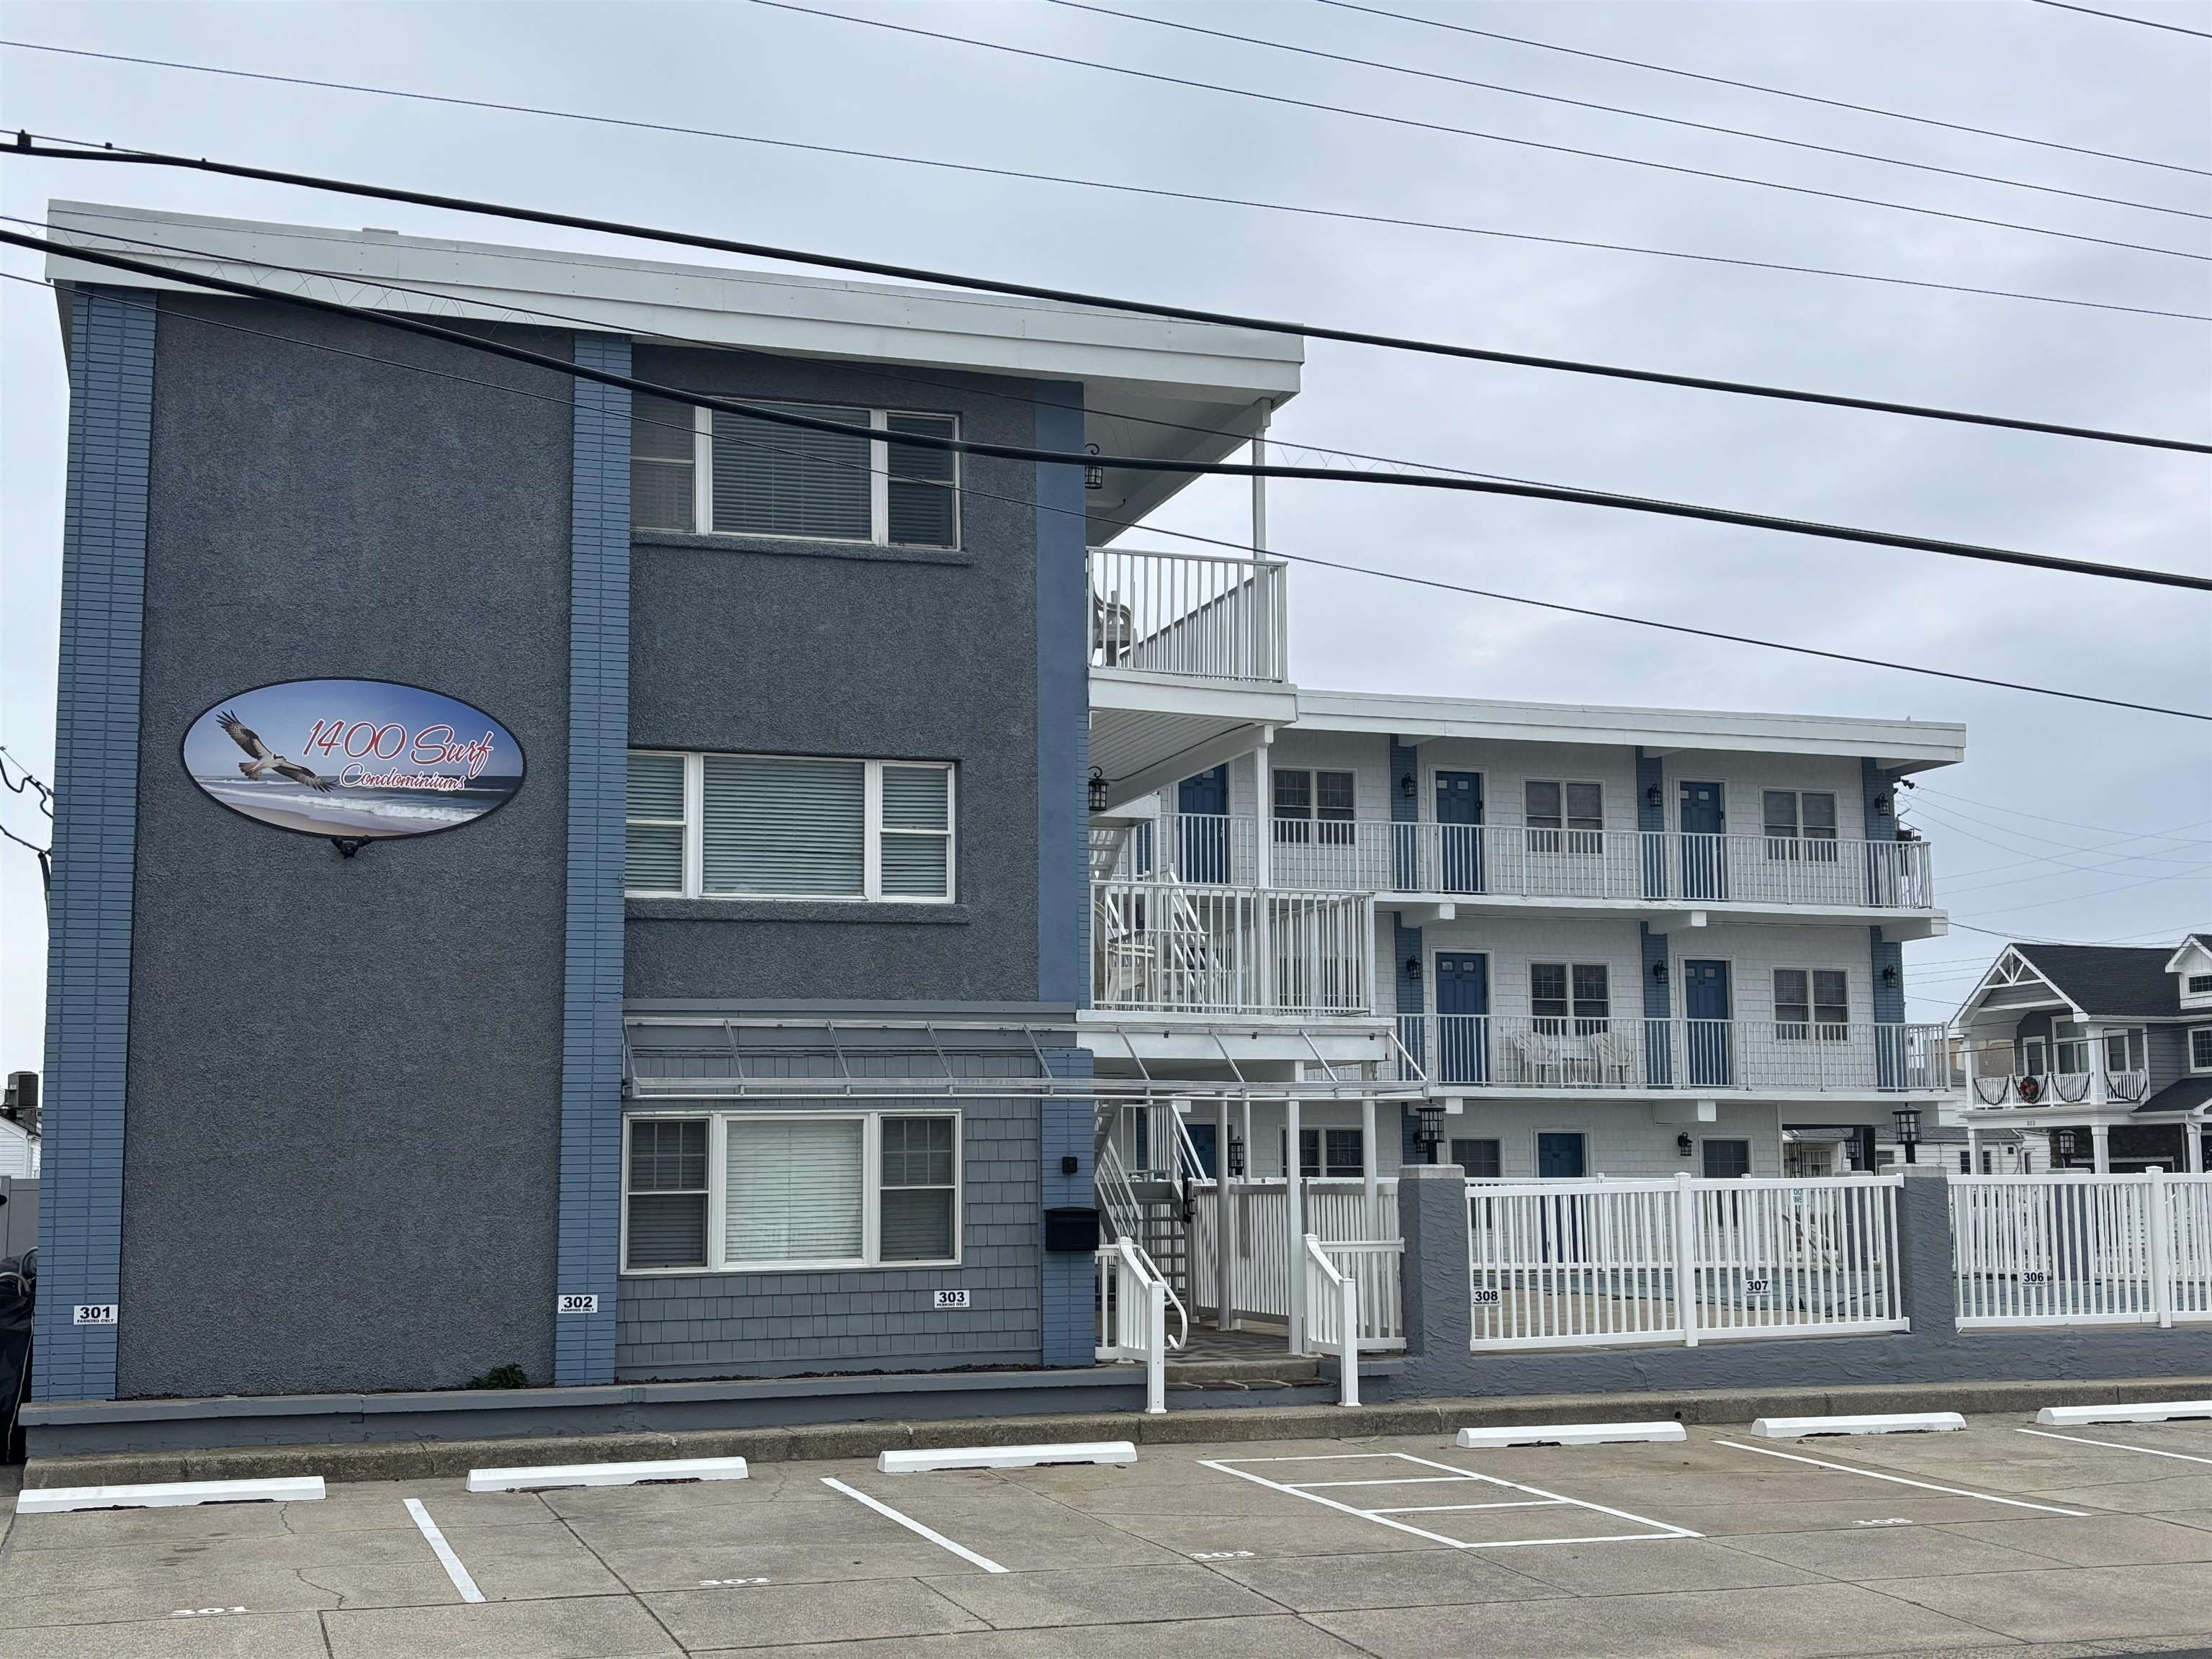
column 712, row 1057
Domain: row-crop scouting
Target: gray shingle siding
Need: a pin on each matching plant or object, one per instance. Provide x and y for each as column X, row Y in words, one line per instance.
column 111, row 368
column 877, row 1319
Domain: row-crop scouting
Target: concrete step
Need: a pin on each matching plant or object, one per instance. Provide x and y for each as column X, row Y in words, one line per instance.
column 1242, row 1372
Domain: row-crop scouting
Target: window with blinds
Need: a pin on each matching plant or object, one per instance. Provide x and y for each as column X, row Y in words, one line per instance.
column 783, row 826
column 653, row 854
column 1565, row 817
column 1811, row 1004
column 665, row 1201
column 759, row 1191
column 734, row 474
column 1799, row 823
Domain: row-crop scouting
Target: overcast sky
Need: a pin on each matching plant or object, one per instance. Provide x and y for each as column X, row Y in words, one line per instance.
column 2049, row 789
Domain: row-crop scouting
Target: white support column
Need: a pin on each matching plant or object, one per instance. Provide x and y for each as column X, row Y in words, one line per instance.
column 1225, row 1224
column 1294, row 1211
column 1260, row 484
column 2101, row 1139
column 1372, row 1207
column 1973, row 1150
column 1263, row 839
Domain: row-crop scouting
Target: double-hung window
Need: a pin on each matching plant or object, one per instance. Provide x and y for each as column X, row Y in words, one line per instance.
column 2199, row 1049
column 1330, row 1152
column 1314, row 807
column 1800, row 824
column 1811, row 1004
column 1565, row 817
column 1570, row 997
column 784, row 826
column 738, row 475
column 1479, row 1158
column 761, row 1191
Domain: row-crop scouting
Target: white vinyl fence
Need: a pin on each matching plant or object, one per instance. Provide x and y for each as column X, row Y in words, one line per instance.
column 2071, row 1249
column 1568, row 1264
column 1132, row 1316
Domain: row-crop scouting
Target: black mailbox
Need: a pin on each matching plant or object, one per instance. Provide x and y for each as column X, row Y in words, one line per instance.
column 1071, row 1230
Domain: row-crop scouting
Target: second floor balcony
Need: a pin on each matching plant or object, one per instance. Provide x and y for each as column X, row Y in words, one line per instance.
column 1475, row 1053
column 1525, row 866
column 2112, row 1072
column 1166, row 948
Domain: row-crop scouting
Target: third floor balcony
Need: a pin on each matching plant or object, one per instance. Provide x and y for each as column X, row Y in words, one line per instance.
column 1482, row 866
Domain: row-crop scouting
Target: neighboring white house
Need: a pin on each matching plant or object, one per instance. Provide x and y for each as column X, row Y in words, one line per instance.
column 19, row 1149
column 2100, row 1053
column 1535, row 939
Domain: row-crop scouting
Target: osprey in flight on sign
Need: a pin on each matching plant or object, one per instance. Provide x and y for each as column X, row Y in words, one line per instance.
column 265, row 759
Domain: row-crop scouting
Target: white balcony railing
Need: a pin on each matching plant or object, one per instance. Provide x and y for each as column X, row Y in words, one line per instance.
column 1180, row 613
column 1160, row 946
column 1498, row 1051
column 1991, row 1075
column 1641, row 866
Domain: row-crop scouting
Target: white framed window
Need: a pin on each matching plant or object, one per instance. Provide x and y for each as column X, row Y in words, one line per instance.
column 1563, row 816
column 1811, row 1004
column 2197, row 985
column 782, row 1191
column 1334, row 1153
column 1800, row 824
column 788, row 826
column 1564, row 996
column 1313, row 807
column 2200, row 1047
column 733, row 475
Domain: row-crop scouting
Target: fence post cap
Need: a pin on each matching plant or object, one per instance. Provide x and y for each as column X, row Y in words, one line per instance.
column 1432, row 1172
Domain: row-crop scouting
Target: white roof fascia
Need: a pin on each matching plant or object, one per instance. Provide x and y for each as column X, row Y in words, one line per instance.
column 760, row 310
column 1898, row 745
column 2174, row 963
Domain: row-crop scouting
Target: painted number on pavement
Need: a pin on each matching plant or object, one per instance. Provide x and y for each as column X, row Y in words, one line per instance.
column 1222, row 1555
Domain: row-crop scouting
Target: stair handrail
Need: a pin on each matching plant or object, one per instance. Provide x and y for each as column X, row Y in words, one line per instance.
column 1119, row 1199
column 1322, row 1277
column 1133, row 1272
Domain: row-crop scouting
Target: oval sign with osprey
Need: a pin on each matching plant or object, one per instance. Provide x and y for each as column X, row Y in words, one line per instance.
column 355, row 760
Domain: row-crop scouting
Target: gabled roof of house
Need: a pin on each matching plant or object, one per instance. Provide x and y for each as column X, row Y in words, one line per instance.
column 2130, row 981
column 2180, row 1096
column 2201, row 941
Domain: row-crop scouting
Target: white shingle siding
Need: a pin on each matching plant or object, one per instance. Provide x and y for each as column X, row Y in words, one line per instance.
column 1513, row 942
column 1506, row 769
column 1752, row 954
column 1745, row 778
column 1620, row 1138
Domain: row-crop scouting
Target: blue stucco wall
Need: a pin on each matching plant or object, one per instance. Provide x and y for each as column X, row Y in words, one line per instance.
column 1070, row 1280
column 599, row 741
column 111, row 369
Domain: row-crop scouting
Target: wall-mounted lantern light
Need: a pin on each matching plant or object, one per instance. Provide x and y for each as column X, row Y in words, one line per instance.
column 1406, row 787
column 1235, row 1153
column 1889, row 973
column 1881, row 805
column 1429, row 1128
column 1652, row 797
column 1097, row 790
column 1908, row 1132
column 1094, row 477
column 1682, row 1144
column 1659, row 972
column 1414, row 968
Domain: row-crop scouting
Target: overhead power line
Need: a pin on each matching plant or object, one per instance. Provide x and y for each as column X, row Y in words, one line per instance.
column 24, row 146
column 1414, row 124
column 1143, row 463
column 1772, row 92
column 2122, row 17
column 1116, row 187
column 1921, row 788
column 1618, row 109
column 1427, row 582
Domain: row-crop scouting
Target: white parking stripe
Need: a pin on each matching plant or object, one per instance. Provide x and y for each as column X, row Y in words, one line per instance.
column 914, row 1526
column 1899, row 1480
column 446, row 1559
column 2082, row 1440
column 1381, row 1517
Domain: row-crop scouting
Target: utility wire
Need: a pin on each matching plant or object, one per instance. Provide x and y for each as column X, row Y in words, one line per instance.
column 1239, row 548
column 1137, row 462
column 2164, row 855
column 1412, row 124
column 1919, row 789
column 24, row 146
column 1301, row 209
column 1617, row 109
column 2122, row 17
column 1755, row 86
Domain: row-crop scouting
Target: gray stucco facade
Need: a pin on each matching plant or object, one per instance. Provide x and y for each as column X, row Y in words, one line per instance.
column 327, row 1124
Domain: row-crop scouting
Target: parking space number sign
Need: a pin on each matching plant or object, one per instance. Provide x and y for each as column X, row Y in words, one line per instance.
column 579, row 1305
column 95, row 1313
column 951, row 1299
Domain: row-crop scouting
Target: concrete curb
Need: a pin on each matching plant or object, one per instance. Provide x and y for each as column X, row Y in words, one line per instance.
column 428, row 1460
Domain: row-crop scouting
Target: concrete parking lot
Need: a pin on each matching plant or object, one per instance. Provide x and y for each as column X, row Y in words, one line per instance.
column 1995, row 1539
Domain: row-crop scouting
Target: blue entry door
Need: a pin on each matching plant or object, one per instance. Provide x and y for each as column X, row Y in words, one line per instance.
column 1463, row 1030
column 1708, row 1016
column 1205, row 1142
column 1702, row 818
column 1459, row 813
column 1559, row 1157
column 1202, row 834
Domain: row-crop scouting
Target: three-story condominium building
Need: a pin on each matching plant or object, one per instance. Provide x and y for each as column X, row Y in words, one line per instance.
column 875, row 889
